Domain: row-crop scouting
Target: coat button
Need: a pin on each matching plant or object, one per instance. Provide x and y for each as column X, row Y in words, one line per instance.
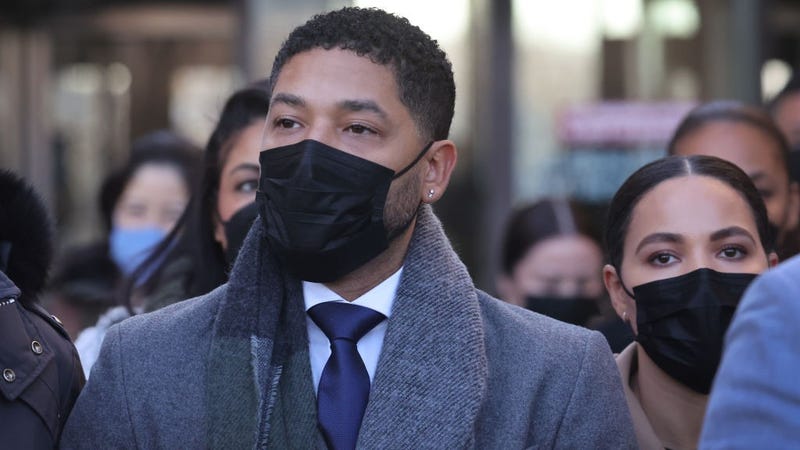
column 9, row 375
column 36, row 347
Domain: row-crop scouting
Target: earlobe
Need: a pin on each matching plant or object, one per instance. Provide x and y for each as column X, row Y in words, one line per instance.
column 615, row 291
column 440, row 164
column 623, row 304
column 773, row 260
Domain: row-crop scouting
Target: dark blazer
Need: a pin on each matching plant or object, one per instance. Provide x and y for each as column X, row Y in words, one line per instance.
column 40, row 373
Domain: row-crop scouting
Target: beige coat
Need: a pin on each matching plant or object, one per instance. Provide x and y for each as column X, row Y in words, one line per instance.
column 645, row 435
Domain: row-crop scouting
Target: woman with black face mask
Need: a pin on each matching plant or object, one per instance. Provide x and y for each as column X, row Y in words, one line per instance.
column 200, row 250
column 551, row 262
column 685, row 236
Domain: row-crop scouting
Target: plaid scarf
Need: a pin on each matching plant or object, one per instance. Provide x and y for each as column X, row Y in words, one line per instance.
column 431, row 378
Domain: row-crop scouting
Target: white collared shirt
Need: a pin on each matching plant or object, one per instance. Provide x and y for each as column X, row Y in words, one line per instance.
column 380, row 298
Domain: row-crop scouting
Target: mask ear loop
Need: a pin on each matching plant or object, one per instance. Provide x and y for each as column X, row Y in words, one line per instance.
column 414, row 162
column 619, row 275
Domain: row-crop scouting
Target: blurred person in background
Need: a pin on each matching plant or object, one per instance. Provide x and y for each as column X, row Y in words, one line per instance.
column 141, row 202
column 685, row 237
column 746, row 136
column 785, row 110
column 552, row 264
column 199, row 251
column 41, row 372
column 83, row 286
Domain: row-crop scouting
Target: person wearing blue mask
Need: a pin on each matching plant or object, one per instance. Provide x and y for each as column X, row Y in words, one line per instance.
column 685, row 237
column 199, row 251
column 141, row 202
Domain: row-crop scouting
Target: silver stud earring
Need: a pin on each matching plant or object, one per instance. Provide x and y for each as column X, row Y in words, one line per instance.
column 430, row 193
column 624, row 316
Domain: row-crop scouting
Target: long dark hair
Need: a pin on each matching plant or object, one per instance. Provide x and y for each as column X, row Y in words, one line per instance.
column 193, row 235
column 654, row 173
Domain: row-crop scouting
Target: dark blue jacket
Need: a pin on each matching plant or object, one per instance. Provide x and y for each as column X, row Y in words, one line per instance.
column 40, row 373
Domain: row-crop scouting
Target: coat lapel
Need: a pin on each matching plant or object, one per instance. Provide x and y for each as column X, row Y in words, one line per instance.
column 432, row 374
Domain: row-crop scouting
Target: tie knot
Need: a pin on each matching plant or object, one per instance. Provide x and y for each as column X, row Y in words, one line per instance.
column 344, row 321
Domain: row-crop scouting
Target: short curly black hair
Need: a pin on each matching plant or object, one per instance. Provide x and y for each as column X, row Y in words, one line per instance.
column 423, row 73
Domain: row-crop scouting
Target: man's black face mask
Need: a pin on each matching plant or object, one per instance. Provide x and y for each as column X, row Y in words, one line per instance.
column 323, row 208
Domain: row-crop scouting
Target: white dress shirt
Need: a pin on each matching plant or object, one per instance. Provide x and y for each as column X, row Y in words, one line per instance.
column 380, row 298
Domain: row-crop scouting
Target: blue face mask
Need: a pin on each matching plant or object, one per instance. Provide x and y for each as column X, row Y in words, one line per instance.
column 130, row 247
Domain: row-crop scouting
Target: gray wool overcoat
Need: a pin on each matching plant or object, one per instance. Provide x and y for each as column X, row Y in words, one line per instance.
column 458, row 369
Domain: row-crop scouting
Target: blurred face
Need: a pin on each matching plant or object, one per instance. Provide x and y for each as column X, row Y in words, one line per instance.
column 155, row 197
column 560, row 266
column 238, row 178
column 681, row 225
column 787, row 117
column 758, row 156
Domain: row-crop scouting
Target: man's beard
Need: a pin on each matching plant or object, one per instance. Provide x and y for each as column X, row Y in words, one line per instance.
column 402, row 204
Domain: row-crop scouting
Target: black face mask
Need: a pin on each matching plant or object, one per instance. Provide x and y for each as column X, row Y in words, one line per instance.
column 322, row 208
column 236, row 229
column 574, row 310
column 682, row 322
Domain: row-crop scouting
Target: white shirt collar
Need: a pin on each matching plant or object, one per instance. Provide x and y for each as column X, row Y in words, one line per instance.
column 380, row 298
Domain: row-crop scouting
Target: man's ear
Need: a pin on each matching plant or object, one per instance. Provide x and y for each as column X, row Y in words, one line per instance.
column 623, row 304
column 440, row 162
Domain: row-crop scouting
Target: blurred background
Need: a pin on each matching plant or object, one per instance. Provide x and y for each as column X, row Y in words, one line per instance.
column 555, row 98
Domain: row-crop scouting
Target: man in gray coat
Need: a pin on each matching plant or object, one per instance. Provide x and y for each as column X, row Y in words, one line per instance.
column 357, row 150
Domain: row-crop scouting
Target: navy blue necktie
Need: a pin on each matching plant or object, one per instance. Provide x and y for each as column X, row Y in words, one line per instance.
column 344, row 386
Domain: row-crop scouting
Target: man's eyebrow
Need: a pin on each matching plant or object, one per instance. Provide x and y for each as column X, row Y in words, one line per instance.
column 659, row 237
column 731, row 231
column 362, row 105
column 288, row 99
